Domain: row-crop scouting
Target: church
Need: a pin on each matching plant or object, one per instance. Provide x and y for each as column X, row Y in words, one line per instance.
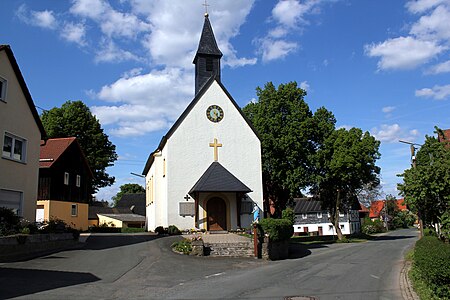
column 206, row 172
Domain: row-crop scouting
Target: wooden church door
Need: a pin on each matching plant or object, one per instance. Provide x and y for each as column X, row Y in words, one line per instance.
column 217, row 214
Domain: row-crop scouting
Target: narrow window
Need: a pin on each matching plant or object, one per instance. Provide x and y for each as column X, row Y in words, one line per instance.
column 342, row 227
column 14, row 147
column 304, row 216
column 164, row 167
column 78, row 181
column 66, row 178
column 209, row 64
column 319, row 215
column 3, row 86
column 74, row 210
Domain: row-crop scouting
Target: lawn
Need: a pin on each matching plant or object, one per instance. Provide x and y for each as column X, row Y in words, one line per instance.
column 330, row 239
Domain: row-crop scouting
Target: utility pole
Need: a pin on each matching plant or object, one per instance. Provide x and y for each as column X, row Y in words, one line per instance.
column 413, row 164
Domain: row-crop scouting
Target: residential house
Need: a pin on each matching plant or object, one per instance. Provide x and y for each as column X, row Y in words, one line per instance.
column 311, row 218
column 377, row 208
column 129, row 212
column 65, row 180
column 21, row 131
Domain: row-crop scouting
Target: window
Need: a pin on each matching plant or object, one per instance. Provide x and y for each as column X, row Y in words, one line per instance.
column 304, row 216
column 319, row 215
column 11, row 199
column 341, row 214
column 74, row 210
column 342, row 227
column 66, row 178
column 3, row 85
column 209, row 64
column 164, row 167
column 78, row 181
column 330, row 227
column 14, row 147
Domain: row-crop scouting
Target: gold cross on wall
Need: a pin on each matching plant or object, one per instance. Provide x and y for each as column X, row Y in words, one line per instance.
column 216, row 145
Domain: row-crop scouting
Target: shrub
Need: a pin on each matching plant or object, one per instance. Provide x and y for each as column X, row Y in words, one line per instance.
column 9, row 221
column 277, row 229
column 173, row 230
column 104, row 229
column 184, row 246
column 288, row 214
column 370, row 227
column 432, row 265
column 132, row 230
column 160, row 230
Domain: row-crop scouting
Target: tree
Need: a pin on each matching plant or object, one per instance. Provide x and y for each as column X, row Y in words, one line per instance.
column 128, row 188
column 426, row 185
column 74, row 119
column 369, row 193
column 345, row 164
column 290, row 135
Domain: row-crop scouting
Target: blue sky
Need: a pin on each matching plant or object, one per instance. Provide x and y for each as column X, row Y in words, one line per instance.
column 383, row 66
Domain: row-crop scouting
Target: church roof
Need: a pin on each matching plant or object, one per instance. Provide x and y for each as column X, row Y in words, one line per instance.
column 207, row 44
column 188, row 109
column 218, row 179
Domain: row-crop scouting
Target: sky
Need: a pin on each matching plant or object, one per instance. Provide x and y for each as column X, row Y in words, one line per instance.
column 382, row 66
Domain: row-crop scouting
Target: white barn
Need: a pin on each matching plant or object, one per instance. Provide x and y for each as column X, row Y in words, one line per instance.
column 206, row 171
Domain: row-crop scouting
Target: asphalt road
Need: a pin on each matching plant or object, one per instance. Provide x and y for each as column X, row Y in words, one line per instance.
column 144, row 267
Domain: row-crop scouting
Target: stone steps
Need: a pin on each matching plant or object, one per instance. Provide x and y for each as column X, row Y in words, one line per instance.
column 236, row 249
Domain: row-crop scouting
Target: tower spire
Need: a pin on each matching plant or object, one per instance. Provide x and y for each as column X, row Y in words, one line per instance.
column 207, row 58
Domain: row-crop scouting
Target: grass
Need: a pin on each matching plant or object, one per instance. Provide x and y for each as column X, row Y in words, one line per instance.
column 330, row 239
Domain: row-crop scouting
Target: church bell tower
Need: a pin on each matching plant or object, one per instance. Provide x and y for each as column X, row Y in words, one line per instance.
column 207, row 58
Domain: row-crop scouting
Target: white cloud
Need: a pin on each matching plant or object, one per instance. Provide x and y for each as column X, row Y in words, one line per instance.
column 43, row 19
column 403, row 52
column 437, row 92
column 277, row 49
column 435, row 26
column 304, row 85
column 74, row 33
column 393, row 133
column 440, row 68
column 420, row 6
column 290, row 18
column 109, row 52
column 388, row 109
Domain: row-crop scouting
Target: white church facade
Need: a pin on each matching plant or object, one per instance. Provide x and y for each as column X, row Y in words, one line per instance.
column 206, row 171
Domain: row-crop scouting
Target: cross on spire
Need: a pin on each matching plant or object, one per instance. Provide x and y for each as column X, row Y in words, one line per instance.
column 216, row 145
column 206, row 7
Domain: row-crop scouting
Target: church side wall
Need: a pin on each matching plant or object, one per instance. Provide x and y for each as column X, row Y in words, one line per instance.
column 191, row 154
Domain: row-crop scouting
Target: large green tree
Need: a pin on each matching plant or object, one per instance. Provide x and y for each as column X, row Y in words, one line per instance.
column 290, row 136
column 74, row 119
column 345, row 164
column 426, row 185
column 127, row 188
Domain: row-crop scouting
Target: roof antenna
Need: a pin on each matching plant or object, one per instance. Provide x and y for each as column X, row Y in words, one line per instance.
column 206, row 8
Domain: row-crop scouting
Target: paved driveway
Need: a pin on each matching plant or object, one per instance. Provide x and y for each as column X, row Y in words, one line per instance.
column 142, row 266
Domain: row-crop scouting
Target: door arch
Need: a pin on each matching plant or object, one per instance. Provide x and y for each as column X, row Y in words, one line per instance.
column 216, row 210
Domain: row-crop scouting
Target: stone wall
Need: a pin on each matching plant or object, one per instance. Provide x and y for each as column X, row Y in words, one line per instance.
column 230, row 249
column 22, row 246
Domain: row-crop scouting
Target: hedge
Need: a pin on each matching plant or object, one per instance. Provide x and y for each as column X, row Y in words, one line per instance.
column 277, row 229
column 432, row 265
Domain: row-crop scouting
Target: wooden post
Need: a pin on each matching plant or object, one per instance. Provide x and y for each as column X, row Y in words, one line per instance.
column 255, row 240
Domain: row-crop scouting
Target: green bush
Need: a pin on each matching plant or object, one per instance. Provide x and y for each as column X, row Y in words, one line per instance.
column 160, row 230
column 184, row 246
column 370, row 227
column 104, row 229
column 277, row 229
column 288, row 214
column 9, row 221
column 173, row 230
column 432, row 265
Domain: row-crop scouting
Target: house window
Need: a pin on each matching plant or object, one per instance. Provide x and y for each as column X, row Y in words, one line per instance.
column 304, row 216
column 12, row 199
column 14, row 147
column 74, row 210
column 341, row 214
column 66, row 178
column 78, row 181
column 319, row 215
column 3, row 85
column 330, row 227
column 342, row 227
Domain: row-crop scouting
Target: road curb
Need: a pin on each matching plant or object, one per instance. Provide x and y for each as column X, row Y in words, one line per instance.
column 405, row 283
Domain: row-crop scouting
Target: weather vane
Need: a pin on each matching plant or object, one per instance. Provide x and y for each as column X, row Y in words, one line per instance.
column 206, row 7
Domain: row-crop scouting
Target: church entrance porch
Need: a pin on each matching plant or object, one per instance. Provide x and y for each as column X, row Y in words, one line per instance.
column 216, row 211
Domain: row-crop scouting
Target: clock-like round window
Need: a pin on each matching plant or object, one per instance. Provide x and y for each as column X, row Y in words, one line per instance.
column 214, row 113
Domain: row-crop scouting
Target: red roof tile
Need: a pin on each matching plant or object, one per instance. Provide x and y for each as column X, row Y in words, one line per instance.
column 377, row 206
column 52, row 150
